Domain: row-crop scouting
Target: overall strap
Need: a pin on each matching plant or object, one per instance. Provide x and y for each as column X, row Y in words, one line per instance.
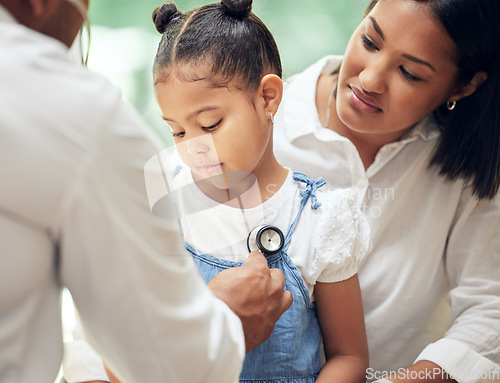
column 309, row 192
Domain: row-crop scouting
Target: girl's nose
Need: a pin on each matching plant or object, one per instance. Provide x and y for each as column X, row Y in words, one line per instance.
column 200, row 144
column 373, row 78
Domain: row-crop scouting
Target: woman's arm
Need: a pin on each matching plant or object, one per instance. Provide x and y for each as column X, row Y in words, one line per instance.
column 470, row 349
column 421, row 372
column 341, row 318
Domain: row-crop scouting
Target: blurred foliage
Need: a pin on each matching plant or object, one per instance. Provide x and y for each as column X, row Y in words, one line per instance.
column 124, row 39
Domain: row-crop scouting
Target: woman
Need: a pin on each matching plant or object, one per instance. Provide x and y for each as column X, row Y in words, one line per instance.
column 411, row 118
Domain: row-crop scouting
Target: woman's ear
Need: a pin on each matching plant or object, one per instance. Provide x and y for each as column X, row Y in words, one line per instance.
column 271, row 91
column 464, row 91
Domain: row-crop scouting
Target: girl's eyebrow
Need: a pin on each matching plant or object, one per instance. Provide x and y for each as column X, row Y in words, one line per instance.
column 196, row 112
column 405, row 55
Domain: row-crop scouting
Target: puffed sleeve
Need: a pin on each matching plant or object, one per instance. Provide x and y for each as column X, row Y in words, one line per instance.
column 342, row 238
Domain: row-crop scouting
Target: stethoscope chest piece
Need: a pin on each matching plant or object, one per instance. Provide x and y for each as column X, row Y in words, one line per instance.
column 267, row 239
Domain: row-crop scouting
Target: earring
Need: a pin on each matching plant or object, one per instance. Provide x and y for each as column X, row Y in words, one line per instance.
column 272, row 118
column 451, row 105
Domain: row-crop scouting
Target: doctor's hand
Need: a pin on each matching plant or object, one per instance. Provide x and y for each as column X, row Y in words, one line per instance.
column 256, row 294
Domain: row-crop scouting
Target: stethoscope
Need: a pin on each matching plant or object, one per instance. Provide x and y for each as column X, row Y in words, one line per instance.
column 267, row 239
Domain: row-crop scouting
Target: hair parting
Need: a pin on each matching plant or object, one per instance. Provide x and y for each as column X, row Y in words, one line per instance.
column 227, row 36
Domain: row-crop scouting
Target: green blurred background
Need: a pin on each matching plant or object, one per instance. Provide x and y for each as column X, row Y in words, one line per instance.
column 124, row 40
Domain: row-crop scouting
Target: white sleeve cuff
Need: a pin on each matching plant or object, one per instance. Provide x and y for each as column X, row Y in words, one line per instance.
column 461, row 362
column 82, row 364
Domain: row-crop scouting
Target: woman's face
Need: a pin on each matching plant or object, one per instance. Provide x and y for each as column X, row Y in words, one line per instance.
column 398, row 67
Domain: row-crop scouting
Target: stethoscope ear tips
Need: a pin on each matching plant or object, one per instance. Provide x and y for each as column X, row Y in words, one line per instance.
column 267, row 239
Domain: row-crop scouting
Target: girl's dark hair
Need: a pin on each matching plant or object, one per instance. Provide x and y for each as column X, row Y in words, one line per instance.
column 228, row 36
column 469, row 147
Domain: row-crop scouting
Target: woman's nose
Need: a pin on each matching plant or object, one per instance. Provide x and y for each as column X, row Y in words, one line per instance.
column 373, row 78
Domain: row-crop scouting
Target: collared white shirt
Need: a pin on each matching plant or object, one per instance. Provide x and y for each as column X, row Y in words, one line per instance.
column 74, row 212
column 431, row 284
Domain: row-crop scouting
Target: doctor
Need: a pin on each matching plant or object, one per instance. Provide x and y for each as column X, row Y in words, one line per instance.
column 74, row 212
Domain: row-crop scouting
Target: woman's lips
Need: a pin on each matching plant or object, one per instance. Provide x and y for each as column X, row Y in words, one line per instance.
column 362, row 101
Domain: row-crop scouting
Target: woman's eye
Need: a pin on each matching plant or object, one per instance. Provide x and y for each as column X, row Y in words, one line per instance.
column 179, row 134
column 212, row 127
column 368, row 43
column 408, row 75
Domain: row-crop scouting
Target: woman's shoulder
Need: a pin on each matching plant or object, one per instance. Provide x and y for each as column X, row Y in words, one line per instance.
column 326, row 63
column 299, row 93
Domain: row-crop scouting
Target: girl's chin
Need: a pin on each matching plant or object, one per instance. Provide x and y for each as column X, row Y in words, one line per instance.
column 216, row 180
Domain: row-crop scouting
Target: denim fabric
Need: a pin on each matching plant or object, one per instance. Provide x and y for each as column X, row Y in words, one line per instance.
column 292, row 353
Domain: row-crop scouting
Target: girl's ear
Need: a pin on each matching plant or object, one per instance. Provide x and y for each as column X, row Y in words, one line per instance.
column 467, row 90
column 271, row 91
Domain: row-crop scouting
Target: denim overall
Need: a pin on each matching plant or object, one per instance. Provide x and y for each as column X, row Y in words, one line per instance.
column 292, row 353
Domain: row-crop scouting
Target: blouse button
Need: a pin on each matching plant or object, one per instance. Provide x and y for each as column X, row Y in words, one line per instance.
column 362, row 183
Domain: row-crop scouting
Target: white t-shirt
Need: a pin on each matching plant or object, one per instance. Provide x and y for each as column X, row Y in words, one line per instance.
column 431, row 283
column 74, row 212
column 326, row 246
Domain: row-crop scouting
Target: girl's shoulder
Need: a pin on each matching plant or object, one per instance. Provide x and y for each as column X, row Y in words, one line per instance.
column 341, row 235
column 339, row 197
column 325, row 199
column 340, row 214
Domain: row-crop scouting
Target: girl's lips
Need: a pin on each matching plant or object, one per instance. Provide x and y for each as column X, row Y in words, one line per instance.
column 362, row 101
column 211, row 169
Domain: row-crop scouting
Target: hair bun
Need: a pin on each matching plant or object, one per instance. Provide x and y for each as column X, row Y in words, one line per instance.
column 164, row 15
column 239, row 8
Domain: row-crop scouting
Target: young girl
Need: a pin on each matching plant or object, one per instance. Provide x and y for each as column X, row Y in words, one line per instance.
column 217, row 80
